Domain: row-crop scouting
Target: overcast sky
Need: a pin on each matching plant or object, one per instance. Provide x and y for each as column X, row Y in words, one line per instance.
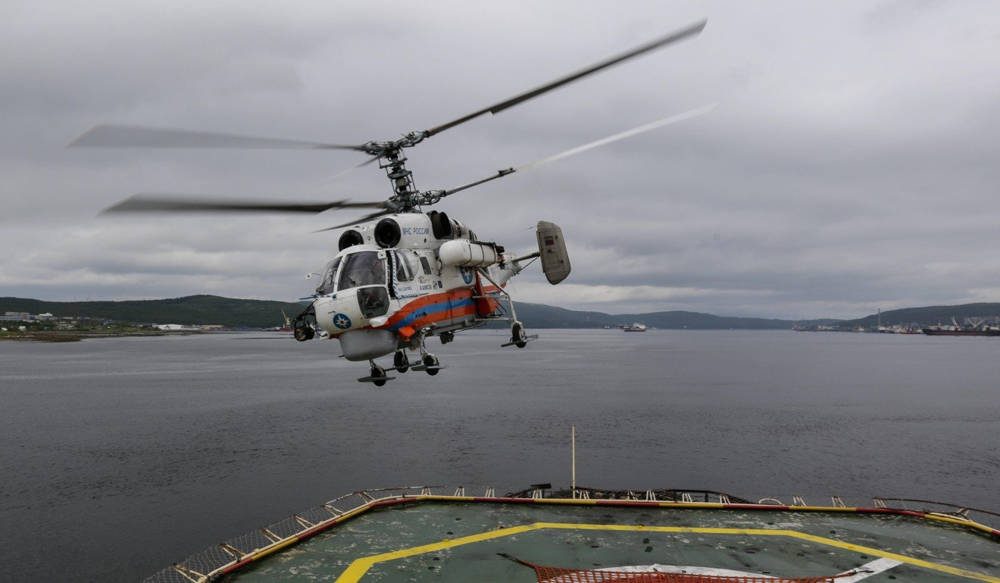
column 850, row 165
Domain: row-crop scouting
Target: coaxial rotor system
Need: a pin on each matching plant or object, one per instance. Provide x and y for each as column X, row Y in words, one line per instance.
column 389, row 153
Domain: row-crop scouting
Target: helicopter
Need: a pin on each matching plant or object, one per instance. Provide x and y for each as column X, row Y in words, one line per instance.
column 401, row 274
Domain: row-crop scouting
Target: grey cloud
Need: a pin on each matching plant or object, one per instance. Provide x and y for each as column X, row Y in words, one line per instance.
column 849, row 165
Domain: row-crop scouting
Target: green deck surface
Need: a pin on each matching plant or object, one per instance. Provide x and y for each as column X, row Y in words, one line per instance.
column 326, row 556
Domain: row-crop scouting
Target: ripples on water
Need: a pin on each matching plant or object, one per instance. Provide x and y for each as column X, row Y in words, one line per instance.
column 121, row 456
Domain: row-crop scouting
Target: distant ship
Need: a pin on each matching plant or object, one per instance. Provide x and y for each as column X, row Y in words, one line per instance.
column 286, row 326
column 958, row 331
column 973, row 327
column 635, row 327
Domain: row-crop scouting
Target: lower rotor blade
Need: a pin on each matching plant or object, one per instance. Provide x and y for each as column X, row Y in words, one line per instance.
column 167, row 203
column 352, row 169
column 126, row 136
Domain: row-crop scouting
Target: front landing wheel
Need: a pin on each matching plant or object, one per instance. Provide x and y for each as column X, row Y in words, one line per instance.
column 303, row 333
column 378, row 373
column 401, row 362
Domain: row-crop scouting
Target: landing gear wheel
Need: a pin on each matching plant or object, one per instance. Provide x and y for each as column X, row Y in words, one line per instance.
column 431, row 364
column 303, row 333
column 378, row 371
column 517, row 335
column 401, row 362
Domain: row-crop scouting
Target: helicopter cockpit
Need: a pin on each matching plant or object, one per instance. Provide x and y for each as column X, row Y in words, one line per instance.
column 328, row 284
column 360, row 269
column 362, row 272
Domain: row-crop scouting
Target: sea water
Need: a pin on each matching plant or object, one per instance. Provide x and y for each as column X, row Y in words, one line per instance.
column 121, row 456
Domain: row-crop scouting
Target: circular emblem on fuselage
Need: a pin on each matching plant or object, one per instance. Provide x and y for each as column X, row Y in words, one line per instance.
column 467, row 276
column 341, row 321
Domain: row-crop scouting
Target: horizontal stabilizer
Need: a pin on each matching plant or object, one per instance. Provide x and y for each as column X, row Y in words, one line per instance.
column 552, row 249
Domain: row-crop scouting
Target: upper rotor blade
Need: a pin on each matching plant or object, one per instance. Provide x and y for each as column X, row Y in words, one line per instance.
column 589, row 146
column 671, row 38
column 170, row 203
column 126, row 136
column 620, row 136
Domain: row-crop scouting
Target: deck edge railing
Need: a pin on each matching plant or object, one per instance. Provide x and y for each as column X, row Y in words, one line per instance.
column 235, row 553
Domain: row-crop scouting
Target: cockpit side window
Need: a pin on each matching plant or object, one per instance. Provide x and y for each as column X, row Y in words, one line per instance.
column 362, row 268
column 327, row 286
column 405, row 262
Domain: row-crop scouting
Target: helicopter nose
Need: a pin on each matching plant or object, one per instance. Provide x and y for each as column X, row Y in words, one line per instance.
column 340, row 313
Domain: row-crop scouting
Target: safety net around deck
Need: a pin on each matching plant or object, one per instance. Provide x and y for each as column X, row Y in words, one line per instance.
column 547, row 574
column 556, row 575
column 561, row 575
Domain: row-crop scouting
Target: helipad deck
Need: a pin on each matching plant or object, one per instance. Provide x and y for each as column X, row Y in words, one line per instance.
column 433, row 540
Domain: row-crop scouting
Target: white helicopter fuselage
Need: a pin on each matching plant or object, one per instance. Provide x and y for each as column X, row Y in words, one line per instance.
column 401, row 275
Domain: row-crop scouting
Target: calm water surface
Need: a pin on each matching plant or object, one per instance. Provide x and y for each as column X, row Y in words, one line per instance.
column 120, row 456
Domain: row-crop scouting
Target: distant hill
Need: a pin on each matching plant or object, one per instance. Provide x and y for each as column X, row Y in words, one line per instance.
column 201, row 309
column 206, row 309
column 928, row 315
column 241, row 313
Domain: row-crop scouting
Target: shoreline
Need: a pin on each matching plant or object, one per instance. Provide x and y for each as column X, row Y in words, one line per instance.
column 72, row 336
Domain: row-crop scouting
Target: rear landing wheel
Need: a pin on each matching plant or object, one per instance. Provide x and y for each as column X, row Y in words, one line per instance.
column 517, row 335
column 401, row 362
column 431, row 362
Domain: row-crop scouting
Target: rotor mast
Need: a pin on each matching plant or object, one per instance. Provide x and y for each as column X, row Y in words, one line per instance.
column 391, row 158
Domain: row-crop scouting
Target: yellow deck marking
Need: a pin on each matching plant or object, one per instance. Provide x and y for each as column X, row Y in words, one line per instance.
column 357, row 569
column 933, row 516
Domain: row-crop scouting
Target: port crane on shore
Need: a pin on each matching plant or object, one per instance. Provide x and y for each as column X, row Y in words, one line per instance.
column 401, row 274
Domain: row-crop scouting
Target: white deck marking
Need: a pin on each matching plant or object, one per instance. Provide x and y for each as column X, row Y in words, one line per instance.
column 868, row 569
column 684, row 569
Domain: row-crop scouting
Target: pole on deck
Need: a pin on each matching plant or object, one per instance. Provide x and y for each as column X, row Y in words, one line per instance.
column 573, row 460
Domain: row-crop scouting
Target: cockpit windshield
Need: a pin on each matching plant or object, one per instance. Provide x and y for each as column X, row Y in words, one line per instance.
column 362, row 268
column 326, row 286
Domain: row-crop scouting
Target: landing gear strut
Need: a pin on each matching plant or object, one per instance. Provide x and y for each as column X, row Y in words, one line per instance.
column 428, row 362
column 518, row 337
column 378, row 377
